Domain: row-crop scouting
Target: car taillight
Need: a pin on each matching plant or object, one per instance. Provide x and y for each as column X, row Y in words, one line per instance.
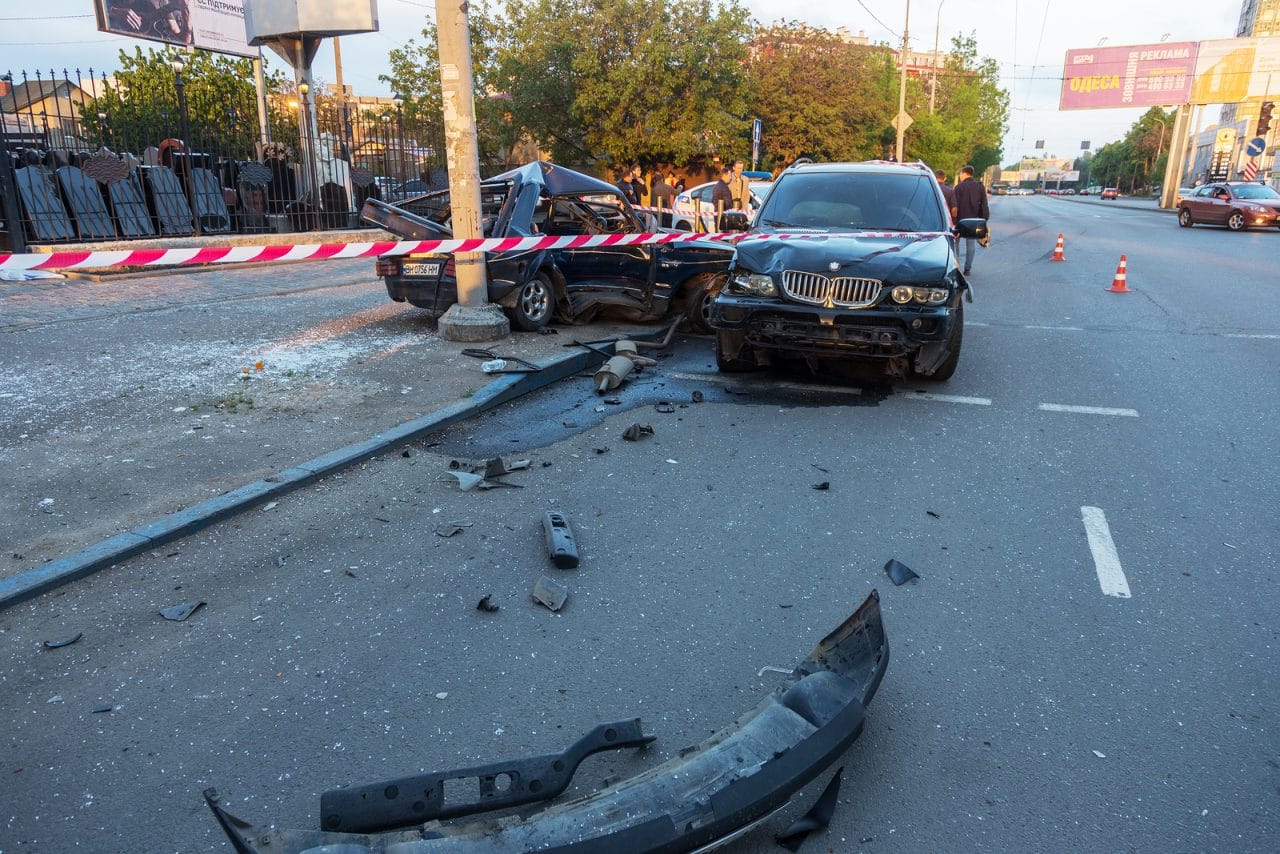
column 450, row 270
column 387, row 267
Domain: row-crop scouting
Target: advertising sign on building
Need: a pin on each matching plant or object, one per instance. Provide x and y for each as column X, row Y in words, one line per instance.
column 1229, row 71
column 216, row 25
column 1144, row 75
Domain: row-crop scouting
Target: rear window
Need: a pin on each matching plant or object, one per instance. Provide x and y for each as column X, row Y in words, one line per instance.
column 853, row 201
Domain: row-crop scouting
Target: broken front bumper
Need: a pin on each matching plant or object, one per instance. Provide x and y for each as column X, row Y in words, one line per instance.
column 707, row 794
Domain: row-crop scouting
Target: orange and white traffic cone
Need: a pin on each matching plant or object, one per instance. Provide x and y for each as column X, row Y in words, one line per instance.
column 1057, row 251
column 1118, row 284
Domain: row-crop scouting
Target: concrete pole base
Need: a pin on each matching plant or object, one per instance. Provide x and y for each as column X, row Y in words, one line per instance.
column 473, row 324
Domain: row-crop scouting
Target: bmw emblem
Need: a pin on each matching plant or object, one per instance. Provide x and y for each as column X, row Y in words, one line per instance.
column 833, row 266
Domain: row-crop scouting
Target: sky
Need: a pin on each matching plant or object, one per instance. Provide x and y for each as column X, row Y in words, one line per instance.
column 1028, row 38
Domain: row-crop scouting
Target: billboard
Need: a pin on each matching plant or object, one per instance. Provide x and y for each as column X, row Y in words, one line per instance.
column 1144, row 75
column 216, row 25
column 1229, row 71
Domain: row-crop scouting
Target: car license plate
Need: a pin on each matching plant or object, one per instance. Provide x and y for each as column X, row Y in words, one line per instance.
column 432, row 269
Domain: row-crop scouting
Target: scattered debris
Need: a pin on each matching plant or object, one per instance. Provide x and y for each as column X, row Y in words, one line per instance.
column 822, row 487
column 280, row 560
column 599, row 408
column 466, row 480
column 815, row 819
column 664, row 407
column 1228, row 545
column 442, row 695
column 548, row 330
column 405, row 453
column 600, row 451
column 570, row 424
column 819, row 468
column 46, row 504
column 696, row 396
column 1099, row 754
column 674, row 462
column 178, row 613
column 508, row 364
column 102, row 707
column 270, row 505
column 561, row 544
column 899, row 573
column 56, row 698
column 446, row 529
column 934, row 515
column 349, row 574
column 613, row 401
column 636, row 432
column 487, row 606
column 550, row 592
column 771, row 668
column 61, row 643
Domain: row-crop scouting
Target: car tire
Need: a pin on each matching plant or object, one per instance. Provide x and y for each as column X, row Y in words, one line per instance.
column 1184, row 218
column 1235, row 221
column 727, row 342
column 948, row 368
column 700, row 290
column 534, row 304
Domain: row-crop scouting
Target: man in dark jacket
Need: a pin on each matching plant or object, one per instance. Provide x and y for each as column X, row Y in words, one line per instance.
column 661, row 194
column 971, row 201
column 629, row 183
column 721, row 195
column 948, row 193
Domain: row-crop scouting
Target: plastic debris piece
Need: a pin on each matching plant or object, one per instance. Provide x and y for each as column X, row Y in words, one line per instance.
column 280, row 560
column 548, row 330
column 899, row 573
column 1099, row 754
column 599, row 409
column 466, row 480
column 56, row 698
column 102, row 707
column 815, row 819
column 442, row 695
column 636, row 432
column 550, row 592
column 570, row 424
column 487, row 606
column 664, row 407
column 493, row 366
column 61, row 643
column 934, row 515
column 405, row 453
column 819, row 468
column 271, row 505
column 178, row 613
column 443, row 529
column 613, row 401
column 561, row 544
column 601, row 451
column 822, row 487
column 696, row 396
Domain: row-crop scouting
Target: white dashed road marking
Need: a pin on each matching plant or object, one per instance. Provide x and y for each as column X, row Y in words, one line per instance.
column 1058, row 328
column 1242, row 335
column 950, row 398
column 1105, row 559
column 1088, row 410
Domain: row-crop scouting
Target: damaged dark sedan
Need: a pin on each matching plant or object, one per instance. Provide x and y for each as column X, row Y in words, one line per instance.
column 574, row 284
column 876, row 278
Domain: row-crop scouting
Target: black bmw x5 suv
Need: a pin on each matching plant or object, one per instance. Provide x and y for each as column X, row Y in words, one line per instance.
column 875, row 277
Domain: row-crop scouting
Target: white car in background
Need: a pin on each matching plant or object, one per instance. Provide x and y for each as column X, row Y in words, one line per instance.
column 690, row 203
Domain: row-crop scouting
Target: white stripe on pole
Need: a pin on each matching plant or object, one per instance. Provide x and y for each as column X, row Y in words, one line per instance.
column 1106, row 562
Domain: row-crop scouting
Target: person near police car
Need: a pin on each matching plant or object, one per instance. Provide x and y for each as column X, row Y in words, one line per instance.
column 739, row 187
column 971, row 201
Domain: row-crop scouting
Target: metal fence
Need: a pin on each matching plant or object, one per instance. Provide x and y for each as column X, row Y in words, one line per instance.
column 83, row 158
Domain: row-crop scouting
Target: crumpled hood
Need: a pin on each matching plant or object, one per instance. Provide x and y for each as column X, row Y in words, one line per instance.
column 909, row 259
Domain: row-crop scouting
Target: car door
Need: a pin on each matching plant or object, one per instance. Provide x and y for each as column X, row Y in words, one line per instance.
column 1200, row 203
column 1217, row 207
column 613, row 274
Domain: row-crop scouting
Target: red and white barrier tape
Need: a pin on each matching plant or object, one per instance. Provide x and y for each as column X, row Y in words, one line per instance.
column 329, row 251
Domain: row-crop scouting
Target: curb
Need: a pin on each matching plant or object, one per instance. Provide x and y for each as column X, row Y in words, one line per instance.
column 33, row 582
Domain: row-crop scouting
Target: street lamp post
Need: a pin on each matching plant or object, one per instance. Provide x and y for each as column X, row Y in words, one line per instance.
column 399, row 102
column 386, row 145
column 937, row 30
column 902, row 88
column 184, row 121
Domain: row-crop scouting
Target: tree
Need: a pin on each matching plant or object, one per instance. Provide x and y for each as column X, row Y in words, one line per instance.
column 971, row 116
column 819, row 96
column 140, row 106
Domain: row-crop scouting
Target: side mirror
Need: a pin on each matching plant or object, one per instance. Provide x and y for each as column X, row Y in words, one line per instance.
column 974, row 227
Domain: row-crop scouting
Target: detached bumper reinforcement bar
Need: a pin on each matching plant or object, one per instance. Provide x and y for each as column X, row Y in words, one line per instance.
column 703, row 796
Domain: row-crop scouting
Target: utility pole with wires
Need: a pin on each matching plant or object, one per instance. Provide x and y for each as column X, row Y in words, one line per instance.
column 902, row 120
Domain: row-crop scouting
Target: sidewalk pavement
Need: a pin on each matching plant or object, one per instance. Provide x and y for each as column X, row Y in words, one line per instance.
column 102, row 466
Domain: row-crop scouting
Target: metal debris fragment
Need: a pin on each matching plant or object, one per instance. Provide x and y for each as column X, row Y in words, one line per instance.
column 696, row 396
column 61, row 643
column 899, row 573
column 636, row 432
column 664, row 407
column 486, row 605
column 822, row 487
column 815, row 819
column 561, row 544
column 178, row 613
column 550, row 592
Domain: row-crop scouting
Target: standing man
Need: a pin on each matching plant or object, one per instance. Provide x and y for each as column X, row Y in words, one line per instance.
column 630, row 184
column 721, row 195
column 740, row 188
column 662, row 195
column 948, row 193
column 971, row 201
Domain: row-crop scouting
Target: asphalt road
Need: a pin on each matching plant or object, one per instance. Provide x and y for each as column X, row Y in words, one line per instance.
column 1024, row 707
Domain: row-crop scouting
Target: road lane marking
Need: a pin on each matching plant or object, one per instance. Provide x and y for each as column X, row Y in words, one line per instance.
column 975, row 323
column 1242, row 335
column 1089, row 410
column 1058, row 328
column 951, row 398
column 1105, row 559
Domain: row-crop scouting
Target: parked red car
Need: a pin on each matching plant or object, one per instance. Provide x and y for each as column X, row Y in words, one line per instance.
column 1110, row 193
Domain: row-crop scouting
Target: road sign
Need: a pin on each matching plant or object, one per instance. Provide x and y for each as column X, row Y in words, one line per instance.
column 902, row 121
column 1255, row 147
column 756, row 127
column 1251, row 170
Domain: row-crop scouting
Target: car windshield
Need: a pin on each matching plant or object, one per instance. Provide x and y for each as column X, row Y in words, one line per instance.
column 853, row 201
column 1256, row 191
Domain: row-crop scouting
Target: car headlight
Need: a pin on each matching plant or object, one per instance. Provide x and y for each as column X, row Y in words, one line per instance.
column 755, row 284
column 904, row 294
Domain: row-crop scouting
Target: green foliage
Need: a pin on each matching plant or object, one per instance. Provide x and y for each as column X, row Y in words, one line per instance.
column 1137, row 159
column 819, row 96
column 971, row 112
column 141, row 103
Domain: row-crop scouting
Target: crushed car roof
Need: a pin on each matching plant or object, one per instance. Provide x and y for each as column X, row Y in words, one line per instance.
column 556, row 180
